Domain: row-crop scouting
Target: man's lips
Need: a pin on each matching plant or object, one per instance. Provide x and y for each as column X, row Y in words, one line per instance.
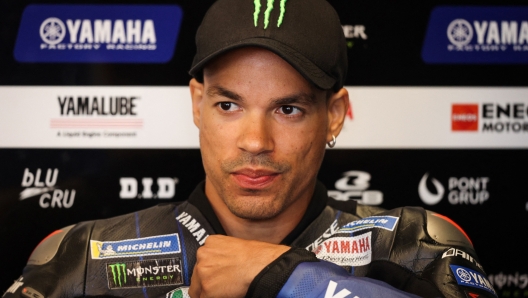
column 254, row 178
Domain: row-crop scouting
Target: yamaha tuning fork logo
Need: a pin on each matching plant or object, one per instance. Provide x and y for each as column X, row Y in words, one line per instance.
column 459, row 32
column 477, row 35
column 52, row 31
column 98, row 33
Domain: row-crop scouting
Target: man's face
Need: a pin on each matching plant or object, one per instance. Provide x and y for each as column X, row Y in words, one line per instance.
column 263, row 130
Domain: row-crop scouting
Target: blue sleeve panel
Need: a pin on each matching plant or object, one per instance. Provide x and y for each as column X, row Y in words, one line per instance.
column 325, row 279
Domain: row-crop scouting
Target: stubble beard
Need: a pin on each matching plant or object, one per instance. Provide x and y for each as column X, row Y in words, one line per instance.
column 256, row 205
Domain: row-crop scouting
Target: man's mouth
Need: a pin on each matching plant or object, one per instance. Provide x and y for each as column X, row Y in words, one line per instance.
column 254, row 178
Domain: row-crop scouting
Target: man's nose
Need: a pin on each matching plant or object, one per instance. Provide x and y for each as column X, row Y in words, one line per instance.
column 256, row 135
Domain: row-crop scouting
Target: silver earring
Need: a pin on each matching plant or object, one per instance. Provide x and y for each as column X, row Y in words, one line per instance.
column 332, row 143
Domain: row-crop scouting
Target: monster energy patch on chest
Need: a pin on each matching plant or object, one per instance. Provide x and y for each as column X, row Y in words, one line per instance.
column 147, row 273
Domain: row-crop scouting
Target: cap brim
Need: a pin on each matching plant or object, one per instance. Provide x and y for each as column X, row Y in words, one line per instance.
column 304, row 66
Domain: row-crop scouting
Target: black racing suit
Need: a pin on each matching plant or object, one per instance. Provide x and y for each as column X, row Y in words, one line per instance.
column 339, row 249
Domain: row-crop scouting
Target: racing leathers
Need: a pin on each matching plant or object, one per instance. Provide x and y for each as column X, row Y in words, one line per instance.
column 339, row 249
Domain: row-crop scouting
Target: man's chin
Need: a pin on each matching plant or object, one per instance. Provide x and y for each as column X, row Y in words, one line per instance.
column 253, row 208
column 254, row 216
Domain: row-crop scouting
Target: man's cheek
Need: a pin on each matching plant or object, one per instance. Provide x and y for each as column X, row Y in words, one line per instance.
column 211, row 137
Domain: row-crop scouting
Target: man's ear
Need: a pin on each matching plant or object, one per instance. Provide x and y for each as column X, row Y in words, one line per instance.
column 197, row 91
column 337, row 108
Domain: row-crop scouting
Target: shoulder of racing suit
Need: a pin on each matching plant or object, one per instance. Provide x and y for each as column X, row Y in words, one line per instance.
column 52, row 269
column 136, row 254
column 409, row 248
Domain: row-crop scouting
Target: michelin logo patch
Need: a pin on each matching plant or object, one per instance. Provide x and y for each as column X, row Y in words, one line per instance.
column 98, row 33
column 471, row 278
column 380, row 222
column 148, row 246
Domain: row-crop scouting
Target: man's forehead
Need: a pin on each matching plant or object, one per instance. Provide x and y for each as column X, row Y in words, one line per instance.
column 245, row 54
column 248, row 58
column 301, row 97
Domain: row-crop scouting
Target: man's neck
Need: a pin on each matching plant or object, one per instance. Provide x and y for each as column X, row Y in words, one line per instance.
column 272, row 230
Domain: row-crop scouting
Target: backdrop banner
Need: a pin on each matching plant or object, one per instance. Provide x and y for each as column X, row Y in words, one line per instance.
column 96, row 117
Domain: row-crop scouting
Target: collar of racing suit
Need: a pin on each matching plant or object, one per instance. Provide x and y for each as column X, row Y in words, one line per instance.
column 315, row 207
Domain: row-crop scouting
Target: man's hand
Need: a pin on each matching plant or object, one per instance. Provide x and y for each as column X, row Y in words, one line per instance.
column 226, row 266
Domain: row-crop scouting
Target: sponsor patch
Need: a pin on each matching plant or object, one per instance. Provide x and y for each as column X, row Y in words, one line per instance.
column 471, row 278
column 354, row 186
column 464, row 117
column 43, row 184
column 477, row 35
column 504, row 281
column 98, row 33
column 182, row 292
column 130, row 189
column 462, row 190
column 380, row 222
column 346, row 251
column 193, row 226
column 148, row 246
column 148, row 273
column 455, row 252
column 327, row 234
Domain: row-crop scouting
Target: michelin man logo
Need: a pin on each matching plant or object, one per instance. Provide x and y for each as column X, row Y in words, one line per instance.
column 428, row 197
column 460, row 32
column 108, row 251
column 52, row 31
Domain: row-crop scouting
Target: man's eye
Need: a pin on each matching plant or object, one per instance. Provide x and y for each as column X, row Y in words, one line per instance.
column 228, row 106
column 289, row 110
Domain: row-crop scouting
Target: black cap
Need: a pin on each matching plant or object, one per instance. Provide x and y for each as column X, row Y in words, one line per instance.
column 305, row 33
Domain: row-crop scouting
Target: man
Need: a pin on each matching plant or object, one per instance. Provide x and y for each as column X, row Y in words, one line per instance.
column 267, row 97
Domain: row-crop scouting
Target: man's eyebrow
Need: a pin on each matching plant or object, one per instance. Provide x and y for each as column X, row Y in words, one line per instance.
column 300, row 98
column 221, row 91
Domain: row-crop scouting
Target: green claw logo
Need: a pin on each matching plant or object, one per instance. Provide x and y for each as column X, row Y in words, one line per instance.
column 118, row 267
column 269, row 8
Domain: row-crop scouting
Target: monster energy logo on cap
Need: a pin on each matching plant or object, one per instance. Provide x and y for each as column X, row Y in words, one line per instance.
column 267, row 12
